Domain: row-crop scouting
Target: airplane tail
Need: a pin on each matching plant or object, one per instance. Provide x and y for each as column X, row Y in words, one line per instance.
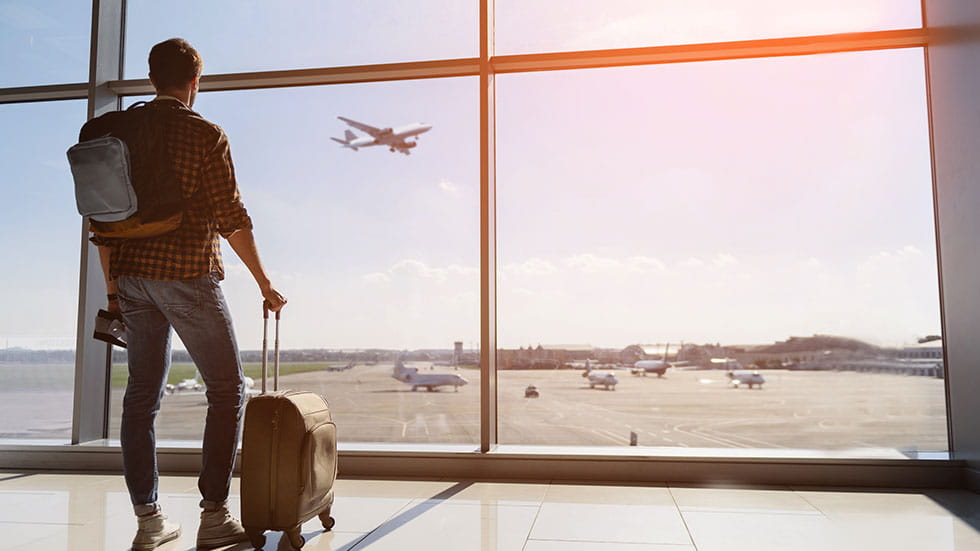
column 348, row 138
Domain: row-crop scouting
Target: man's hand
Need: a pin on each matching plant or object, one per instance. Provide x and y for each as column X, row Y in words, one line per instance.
column 113, row 306
column 273, row 298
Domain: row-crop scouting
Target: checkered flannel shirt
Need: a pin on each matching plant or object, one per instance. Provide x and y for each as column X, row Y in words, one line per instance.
column 213, row 206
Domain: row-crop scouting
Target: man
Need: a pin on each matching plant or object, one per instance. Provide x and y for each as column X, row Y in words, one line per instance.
column 172, row 280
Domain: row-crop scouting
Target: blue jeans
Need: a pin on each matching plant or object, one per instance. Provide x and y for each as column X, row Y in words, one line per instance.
column 196, row 309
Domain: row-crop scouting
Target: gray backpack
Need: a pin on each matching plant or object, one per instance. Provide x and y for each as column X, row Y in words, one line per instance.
column 124, row 181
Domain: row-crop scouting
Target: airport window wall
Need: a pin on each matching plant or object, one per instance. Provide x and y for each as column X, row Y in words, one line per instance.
column 746, row 218
column 376, row 251
column 747, row 213
column 39, row 236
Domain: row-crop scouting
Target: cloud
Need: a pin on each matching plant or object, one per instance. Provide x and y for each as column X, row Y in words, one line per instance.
column 590, row 264
column 448, row 186
column 418, row 270
column 691, row 262
column 376, row 277
column 587, row 263
column 530, row 267
column 723, row 260
column 645, row 264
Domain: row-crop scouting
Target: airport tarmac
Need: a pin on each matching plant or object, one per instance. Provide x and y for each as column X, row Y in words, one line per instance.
column 819, row 410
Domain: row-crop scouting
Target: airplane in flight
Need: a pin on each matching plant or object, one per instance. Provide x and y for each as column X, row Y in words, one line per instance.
column 744, row 377
column 601, row 378
column 659, row 367
column 394, row 138
column 429, row 381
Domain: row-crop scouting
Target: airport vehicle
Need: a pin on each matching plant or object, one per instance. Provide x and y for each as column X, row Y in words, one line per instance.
column 601, row 378
column 350, row 365
column 429, row 381
column 394, row 138
column 744, row 377
column 531, row 392
column 659, row 367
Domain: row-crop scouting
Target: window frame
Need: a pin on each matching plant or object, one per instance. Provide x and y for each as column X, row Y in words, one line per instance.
column 105, row 91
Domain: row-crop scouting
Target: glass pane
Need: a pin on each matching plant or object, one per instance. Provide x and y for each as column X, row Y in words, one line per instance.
column 44, row 42
column 235, row 36
column 39, row 236
column 376, row 251
column 770, row 215
column 560, row 25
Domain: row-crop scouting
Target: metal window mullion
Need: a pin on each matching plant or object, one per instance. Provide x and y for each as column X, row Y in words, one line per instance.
column 92, row 358
column 50, row 92
column 316, row 77
column 488, row 238
column 687, row 53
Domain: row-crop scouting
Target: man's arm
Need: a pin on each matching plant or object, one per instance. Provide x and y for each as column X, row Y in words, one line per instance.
column 243, row 243
column 111, row 285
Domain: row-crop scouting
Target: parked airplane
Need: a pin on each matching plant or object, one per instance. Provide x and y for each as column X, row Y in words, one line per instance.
column 186, row 384
column 394, row 138
column 350, row 365
column 744, row 377
column 659, row 367
column 603, row 378
column 429, row 381
column 196, row 386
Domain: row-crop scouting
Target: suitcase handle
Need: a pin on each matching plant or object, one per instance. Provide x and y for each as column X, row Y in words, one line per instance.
column 265, row 348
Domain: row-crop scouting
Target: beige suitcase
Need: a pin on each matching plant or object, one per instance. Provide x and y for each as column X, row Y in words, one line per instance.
column 289, row 458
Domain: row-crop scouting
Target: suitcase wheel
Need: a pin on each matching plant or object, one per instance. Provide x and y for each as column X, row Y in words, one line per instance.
column 256, row 538
column 296, row 539
column 327, row 521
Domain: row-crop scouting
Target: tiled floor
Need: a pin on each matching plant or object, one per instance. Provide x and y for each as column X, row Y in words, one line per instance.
column 91, row 512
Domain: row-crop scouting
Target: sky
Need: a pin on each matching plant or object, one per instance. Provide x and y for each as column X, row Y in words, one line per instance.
column 734, row 202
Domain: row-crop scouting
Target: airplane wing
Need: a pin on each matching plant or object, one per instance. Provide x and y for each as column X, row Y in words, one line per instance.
column 374, row 132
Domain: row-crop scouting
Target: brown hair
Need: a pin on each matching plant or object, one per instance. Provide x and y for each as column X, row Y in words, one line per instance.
column 174, row 63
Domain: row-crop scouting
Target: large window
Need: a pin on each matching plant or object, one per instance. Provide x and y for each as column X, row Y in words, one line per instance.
column 746, row 246
column 528, row 26
column 710, row 212
column 44, row 42
column 377, row 252
column 235, row 36
column 39, row 237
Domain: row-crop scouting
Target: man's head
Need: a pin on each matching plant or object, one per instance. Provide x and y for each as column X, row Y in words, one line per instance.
column 175, row 67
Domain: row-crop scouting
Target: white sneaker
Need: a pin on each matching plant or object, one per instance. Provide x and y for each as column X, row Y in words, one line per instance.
column 218, row 527
column 154, row 530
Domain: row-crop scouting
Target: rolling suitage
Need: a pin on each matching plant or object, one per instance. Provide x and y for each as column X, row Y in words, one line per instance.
column 289, row 458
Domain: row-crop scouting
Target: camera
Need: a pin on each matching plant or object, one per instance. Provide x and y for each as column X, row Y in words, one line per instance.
column 109, row 327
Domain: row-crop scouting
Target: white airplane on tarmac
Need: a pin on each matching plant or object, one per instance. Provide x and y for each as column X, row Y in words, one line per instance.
column 429, row 381
column 744, row 377
column 394, row 138
column 196, row 386
column 602, row 378
column 659, row 367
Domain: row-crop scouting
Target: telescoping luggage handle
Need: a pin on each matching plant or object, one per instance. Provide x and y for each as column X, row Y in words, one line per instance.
column 265, row 349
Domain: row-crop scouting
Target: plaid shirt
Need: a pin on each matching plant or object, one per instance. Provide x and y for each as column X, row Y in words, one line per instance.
column 213, row 206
